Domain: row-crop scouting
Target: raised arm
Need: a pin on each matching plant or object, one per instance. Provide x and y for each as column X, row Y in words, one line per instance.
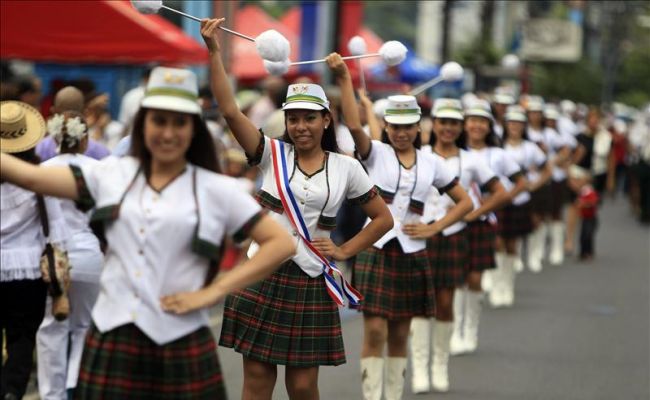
column 373, row 123
column 349, row 103
column 49, row 181
column 545, row 175
column 242, row 128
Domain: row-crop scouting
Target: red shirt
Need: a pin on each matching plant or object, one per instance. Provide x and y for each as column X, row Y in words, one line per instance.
column 588, row 201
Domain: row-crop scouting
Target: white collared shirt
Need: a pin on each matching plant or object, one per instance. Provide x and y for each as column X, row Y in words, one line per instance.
column 86, row 258
column 21, row 232
column 503, row 165
column 150, row 246
column 470, row 170
column 441, row 178
column 530, row 158
column 324, row 191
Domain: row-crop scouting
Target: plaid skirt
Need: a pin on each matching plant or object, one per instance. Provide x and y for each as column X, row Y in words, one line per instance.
column 395, row 285
column 124, row 363
column 286, row 319
column 558, row 198
column 515, row 221
column 481, row 237
column 541, row 200
column 448, row 259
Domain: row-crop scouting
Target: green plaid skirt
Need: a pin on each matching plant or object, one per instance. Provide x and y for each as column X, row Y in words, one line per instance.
column 395, row 285
column 448, row 258
column 286, row 319
column 124, row 363
column 481, row 237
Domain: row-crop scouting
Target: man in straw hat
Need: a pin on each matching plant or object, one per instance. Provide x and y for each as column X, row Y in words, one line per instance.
column 22, row 291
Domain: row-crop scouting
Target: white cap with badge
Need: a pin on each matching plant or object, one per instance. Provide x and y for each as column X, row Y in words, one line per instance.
column 402, row 110
column 306, row 96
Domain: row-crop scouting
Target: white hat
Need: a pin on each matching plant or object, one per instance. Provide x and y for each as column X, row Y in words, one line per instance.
column 479, row 108
column 447, row 108
column 306, row 96
column 402, row 110
column 503, row 96
column 551, row 112
column 21, row 126
column 567, row 107
column 516, row 113
column 535, row 104
column 172, row 89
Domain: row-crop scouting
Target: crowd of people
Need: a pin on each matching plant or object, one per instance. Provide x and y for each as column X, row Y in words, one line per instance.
column 195, row 196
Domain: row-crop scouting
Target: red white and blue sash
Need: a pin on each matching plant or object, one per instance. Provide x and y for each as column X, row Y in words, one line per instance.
column 331, row 273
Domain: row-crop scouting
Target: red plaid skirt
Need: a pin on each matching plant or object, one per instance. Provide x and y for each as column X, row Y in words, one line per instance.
column 515, row 221
column 448, row 259
column 124, row 363
column 481, row 236
column 395, row 285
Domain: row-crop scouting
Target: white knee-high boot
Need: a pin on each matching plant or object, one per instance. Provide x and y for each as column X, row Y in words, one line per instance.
column 519, row 263
column 439, row 367
column 372, row 374
column 509, row 280
column 472, row 318
column 536, row 241
column 420, row 344
column 495, row 295
column 557, row 243
column 395, row 372
column 457, row 343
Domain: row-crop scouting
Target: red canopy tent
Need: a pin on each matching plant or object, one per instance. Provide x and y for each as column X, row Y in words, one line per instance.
column 99, row 32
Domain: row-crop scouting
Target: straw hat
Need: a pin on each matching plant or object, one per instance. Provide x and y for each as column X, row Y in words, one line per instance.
column 21, row 127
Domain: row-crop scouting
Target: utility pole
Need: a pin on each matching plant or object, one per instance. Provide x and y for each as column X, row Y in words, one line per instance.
column 446, row 34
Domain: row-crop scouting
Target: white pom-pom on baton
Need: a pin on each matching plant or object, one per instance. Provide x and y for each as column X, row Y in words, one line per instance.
column 277, row 68
column 272, row 46
column 147, row 6
column 357, row 46
column 393, row 52
column 449, row 72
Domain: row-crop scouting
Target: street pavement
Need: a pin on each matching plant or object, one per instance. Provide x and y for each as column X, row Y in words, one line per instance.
column 576, row 332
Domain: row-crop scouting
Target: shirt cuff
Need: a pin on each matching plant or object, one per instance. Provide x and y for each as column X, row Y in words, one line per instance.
column 84, row 200
column 255, row 159
column 366, row 197
column 243, row 232
column 448, row 187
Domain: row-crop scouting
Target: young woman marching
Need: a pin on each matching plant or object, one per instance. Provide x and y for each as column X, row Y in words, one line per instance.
column 560, row 147
column 448, row 251
column 515, row 220
column 165, row 212
column 291, row 318
column 394, row 273
column 541, row 198
column 479, row 138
